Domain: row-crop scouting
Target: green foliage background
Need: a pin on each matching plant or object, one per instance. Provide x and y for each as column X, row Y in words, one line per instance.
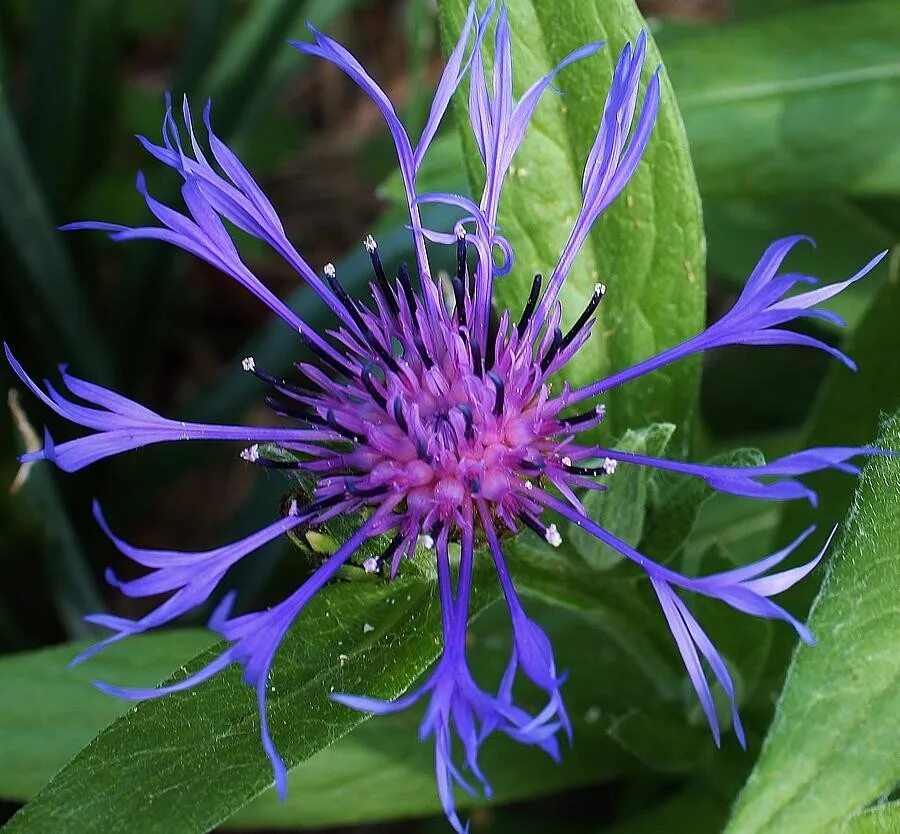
column 777, row 117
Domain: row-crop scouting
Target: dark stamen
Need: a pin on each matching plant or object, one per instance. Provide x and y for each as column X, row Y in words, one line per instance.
column 500, row 392
column 366, row 376
column 530, row 304
column 399, row 416
column 596, row 298
column 587, row 471
column 356, row 492
column 477, row 365
column 550, row 355
column 389, row 551
column 331, row 420
column 298, row 411
column 378, row 268
column 459, row 294
column 534, row 525
column 421, row 451
column 467, row 416
column 320, row 354
column 403, row 278
column 533, row 465
column 350, row 306
column 422, row 350
column 317, row 505
column 595, row 413
column 461, row 256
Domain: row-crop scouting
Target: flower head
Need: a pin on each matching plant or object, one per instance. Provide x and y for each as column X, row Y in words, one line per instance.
column 431, row 413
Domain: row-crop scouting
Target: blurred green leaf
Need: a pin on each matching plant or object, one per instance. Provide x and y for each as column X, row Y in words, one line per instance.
column 755, row 98
column 849, row 406
column 47, row 279
column 695, row 811
column 648, row 247
column 72, row 584
column 848, row 236
column 255, row 62
column 748, row 9
column 623, row 507
column 881, row 819
column 841, row 697
column 48, row 712
column 75, row 50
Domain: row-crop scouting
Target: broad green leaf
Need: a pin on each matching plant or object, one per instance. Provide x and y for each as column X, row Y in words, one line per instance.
column 48, row 712
column 622, row 508
column 880, row 819
column 397, row 769
column 647, row 248
column 202, row 749
column 841, row 697
column 755, row 96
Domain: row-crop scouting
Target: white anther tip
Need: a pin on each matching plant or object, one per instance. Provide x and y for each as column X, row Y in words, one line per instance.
column 426, row 541
column 566, row 461
column 370, row 244
column 248, row 363
column 600, row 289
column 329, row 270
column 529, row 486
column 293, row 508
column 609, row 465
column 370, row 565
column 251, row 453
column 552, row 536
column 460, row 231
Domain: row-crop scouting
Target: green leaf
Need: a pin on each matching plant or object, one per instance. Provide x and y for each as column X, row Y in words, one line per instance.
column 201, row 748
column 841, row 697
column 72, row 583
column 397, row 769
column 881, row 819
column 755, row 96
column 647, row 248
column 623, row 507
column 662, row 739
column 694, row 811
column 47, row 274
column 679, row 499
column 48, row 712
column 75, row 51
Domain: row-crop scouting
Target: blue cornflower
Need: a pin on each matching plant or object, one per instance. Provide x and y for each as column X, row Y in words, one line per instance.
column 434, row 422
